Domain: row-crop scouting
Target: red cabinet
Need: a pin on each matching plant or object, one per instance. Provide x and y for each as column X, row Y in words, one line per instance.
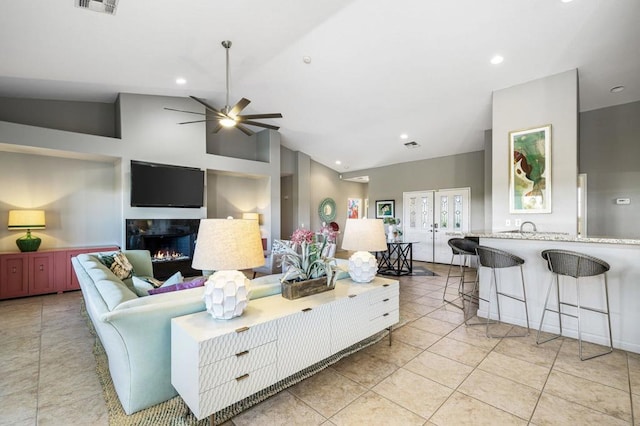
column 14, row 275
column 41, row 272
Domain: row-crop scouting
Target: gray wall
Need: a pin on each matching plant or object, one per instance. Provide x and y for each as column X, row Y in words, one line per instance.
column 94, row 118
column 550, row 100
column 610, row 156
column 456, row 171
column 81, row 203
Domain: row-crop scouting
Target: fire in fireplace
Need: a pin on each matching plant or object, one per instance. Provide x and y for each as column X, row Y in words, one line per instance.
column 171, row 243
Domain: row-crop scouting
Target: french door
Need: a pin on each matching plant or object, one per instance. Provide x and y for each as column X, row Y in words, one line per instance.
column 427, row 218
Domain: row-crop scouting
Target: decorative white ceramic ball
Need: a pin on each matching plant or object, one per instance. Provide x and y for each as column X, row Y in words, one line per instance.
column 363, row 267
column 225, row 294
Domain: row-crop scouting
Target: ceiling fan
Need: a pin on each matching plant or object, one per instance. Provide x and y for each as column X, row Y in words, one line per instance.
column 230, row 116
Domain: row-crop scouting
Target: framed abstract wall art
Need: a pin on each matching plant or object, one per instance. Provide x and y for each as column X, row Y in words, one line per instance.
column 385, row 208
column 530, row 170
column 354, row 208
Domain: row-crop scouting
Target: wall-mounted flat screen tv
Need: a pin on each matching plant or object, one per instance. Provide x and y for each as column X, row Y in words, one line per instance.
column 163, row 185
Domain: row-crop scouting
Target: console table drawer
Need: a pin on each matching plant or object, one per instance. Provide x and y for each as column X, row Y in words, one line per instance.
column 383, row 306
column 235, row 390
column 241, row 363
column 242, row 339
column 384, row 292
column 386, row 320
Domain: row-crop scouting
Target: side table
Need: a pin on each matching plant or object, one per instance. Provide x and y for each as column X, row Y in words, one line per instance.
column 397, row 260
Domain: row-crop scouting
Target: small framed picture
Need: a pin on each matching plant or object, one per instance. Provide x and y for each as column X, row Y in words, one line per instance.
column 354, row 208
column 385, row 208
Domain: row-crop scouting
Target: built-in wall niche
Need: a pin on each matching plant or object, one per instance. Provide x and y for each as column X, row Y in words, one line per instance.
column 231, row 142
column 231, row 194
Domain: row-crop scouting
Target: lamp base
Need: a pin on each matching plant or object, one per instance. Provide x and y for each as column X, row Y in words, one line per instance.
column 226, row 293
column 28, row 243
column 363, row 267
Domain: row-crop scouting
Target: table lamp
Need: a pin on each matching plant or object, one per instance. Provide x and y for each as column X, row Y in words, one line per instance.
column 224, row 246
column 363, row 236
column 27, row 219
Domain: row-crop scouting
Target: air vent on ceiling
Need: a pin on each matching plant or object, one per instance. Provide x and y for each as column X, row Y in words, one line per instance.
column 412, row 144
column 103, row 6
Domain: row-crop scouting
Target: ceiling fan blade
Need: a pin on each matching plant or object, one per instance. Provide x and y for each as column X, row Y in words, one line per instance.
column 181, row 110
column 242, row 104
column 255, row 123
column 244, row 130
column 207, row 106
column 199, row 121
column 269, row 115
column 217, row 128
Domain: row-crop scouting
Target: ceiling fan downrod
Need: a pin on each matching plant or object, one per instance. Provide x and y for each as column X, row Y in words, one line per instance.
column 227, row 45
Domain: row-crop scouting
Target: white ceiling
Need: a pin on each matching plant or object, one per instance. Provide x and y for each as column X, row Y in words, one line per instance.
column 378, row 68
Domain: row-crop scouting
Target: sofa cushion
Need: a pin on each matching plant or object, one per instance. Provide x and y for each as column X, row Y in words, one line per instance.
column 142, row 285
column 114, row 292
column 118, row 264
column 198, row 282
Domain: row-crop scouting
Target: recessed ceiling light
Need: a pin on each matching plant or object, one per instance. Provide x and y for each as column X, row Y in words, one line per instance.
column 306, row 59
column 181, row 81
column 566, row 1
column 617, row 89
column 338, row 162
column 497, row 60
column 404, row 136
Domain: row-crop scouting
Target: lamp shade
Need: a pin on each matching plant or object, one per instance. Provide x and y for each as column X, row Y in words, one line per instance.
column 26, row 219
column 364, row 235
column 228, row 244
column 251, row 216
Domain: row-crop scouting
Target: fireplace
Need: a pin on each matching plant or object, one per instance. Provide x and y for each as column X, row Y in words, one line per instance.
column 171, row 243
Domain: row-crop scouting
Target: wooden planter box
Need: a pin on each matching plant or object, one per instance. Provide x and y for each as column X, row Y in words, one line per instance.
column 296, row 289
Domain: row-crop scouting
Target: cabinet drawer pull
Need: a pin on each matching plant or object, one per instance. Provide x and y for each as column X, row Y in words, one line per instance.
column 239, row 354
column 241, row 329
column 306, row 309
column 41, row 268
column 13, row 270
column 386, row 315
column 385, row 285
column 385, row 300
column 352, row 295
column 244, row 376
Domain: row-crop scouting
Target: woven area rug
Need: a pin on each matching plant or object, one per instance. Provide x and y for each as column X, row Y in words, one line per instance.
column 176, row 413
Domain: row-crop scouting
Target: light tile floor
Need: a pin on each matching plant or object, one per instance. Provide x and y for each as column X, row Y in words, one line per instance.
column 437, row 372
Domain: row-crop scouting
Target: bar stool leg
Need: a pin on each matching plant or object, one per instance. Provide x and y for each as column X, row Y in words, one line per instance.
column 546, row 308
column 498, row 293
column 524, row 301
column 606, row 295
column 460, row 279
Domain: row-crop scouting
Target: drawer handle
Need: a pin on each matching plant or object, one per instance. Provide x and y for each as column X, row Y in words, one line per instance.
column 13, row 270
column 242, row 329
column 385, row 285
column 239, row 354
column 386, row 315
column 352, row 295
column 41, row 268
column 385, row 300
column 306, row 309
column 244, row 376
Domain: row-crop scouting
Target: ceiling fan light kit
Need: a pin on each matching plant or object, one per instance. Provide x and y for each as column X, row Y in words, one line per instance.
column 230, row 116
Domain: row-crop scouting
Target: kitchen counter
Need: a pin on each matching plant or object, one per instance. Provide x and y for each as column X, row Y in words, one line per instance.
column 623, row 255
column 547, row 236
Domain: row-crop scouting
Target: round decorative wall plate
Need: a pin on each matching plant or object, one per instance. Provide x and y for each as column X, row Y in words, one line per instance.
column 327, row 210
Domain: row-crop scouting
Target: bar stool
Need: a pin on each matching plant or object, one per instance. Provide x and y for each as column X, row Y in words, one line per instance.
column 576, row 265
column 465, row 249
column 497, row 259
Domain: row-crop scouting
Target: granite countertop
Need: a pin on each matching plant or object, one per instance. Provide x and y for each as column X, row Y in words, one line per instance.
column 547, row 236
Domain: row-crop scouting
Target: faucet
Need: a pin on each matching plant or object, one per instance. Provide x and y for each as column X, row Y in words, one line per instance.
column 529, row 222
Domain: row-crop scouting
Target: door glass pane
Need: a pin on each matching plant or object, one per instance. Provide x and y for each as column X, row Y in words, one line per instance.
column 412, row 212
column 444, row 211
column 425, row 213
column 457, row 212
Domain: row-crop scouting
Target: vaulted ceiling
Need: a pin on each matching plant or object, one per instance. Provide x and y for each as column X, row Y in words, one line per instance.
column 377, row 69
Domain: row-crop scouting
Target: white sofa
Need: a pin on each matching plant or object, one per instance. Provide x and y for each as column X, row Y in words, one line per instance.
column 136, row 331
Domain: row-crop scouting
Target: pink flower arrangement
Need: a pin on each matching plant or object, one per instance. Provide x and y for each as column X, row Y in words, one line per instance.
column 302, row 235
